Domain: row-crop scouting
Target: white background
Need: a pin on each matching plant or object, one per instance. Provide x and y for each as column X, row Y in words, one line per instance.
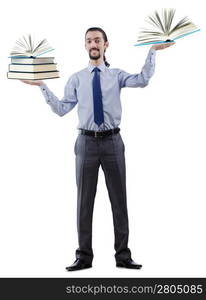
column 163, row 127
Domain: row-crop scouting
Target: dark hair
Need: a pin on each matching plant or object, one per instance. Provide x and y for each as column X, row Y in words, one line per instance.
column 104, row 37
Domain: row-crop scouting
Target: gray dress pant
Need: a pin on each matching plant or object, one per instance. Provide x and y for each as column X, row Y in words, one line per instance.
column 90, row 153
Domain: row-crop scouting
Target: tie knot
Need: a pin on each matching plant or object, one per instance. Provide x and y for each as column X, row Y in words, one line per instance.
column 96, row 69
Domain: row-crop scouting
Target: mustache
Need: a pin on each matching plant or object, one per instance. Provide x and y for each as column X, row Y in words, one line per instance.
column 93, row 49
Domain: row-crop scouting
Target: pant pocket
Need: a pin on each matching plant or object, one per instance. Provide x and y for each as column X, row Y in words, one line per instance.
column 76, row 144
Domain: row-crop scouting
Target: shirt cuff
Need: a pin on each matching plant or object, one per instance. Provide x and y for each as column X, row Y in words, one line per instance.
column 43, row 87
column 152, row 51
column 151, row 56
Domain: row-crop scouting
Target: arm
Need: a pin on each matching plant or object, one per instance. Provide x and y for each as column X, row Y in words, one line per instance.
column 60, row 107
column 142, row 79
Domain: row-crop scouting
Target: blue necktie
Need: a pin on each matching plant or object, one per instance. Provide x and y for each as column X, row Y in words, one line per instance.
column 97, row 98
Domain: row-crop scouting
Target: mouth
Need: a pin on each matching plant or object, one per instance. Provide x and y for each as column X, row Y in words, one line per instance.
column 94, row 54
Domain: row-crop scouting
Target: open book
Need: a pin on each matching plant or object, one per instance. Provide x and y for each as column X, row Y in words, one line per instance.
column 163, row 29
column 27, row 47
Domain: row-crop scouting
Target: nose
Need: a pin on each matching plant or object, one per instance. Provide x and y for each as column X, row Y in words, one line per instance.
column 93, row 44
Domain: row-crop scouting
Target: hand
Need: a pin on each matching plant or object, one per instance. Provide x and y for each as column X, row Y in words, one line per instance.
column 162, row 46
column 33, row 82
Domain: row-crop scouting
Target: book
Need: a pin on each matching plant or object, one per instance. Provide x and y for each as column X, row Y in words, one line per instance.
column 32, row 60
column 27, row 47
column 26, row 63
column 163, row 29
column 32, row 68
column 33, row 76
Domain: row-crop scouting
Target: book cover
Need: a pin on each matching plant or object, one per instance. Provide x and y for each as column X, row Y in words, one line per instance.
column 32, row 76
column 32, row 68
column 32, row 60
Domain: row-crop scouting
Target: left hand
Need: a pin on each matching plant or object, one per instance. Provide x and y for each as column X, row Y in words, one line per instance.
column 162, row 46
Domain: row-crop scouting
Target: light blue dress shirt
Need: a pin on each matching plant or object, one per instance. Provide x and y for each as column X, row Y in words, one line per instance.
column 78, row 89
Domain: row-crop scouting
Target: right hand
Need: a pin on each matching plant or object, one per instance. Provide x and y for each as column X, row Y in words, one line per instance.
column 33, row 82
column 162, row 46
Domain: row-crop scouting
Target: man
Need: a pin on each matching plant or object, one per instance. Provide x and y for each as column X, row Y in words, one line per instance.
column 96, row 89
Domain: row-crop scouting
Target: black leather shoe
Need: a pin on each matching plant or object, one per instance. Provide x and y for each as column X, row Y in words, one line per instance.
column 79, row 264
column 128, row 263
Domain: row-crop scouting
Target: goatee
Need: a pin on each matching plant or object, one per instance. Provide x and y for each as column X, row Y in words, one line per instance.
column 95, row 57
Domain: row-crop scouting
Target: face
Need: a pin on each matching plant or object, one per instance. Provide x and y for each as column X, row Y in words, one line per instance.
column 95, row 44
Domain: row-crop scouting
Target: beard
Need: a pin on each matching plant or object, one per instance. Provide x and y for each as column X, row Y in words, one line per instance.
column 95, row 57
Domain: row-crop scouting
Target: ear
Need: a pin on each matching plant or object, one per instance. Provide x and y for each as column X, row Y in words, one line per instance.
column 107, row 44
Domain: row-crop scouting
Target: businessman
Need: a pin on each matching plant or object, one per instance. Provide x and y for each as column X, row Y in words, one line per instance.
column 96, row 90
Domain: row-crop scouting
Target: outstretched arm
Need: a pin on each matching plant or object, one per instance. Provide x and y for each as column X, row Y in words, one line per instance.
column 142, row 79
column 60, row 107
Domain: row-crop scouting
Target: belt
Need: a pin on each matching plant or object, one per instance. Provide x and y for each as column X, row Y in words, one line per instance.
column 99, row 133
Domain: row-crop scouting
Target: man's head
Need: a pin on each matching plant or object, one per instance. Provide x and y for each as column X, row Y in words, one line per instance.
column 96, row 43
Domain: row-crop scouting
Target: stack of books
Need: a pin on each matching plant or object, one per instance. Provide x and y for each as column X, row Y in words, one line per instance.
column 26, row 63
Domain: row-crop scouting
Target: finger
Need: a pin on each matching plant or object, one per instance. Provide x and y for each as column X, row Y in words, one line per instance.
column 170, row 44
column 26, row 81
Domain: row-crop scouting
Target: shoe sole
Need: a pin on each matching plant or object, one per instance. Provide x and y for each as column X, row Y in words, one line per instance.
column 68, row 269
column 123, row 266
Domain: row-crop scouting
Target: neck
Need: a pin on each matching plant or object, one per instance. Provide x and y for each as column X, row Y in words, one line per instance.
column 96, row 62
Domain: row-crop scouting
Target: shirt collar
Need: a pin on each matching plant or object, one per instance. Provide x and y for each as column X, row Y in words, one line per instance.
column 102, row 67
